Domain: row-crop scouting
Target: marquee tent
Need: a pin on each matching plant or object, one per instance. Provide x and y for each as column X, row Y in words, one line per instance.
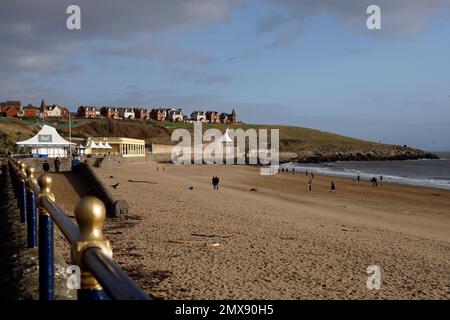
column 47, row 143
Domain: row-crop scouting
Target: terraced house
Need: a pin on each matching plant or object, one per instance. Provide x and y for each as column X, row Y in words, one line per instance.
column 213, row 116
column 110, row 112
column 126, row 113
column 159, row 114
column 88, row 112
column 141, row 113
column 198, row 116
column 174, row 114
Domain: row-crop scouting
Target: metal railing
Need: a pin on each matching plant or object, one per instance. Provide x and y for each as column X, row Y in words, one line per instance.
column 101, row 277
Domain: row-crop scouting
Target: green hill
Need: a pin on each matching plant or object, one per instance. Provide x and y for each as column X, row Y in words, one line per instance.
column 310, row 145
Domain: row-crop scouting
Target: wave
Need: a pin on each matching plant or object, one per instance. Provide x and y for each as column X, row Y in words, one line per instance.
column 353, row 173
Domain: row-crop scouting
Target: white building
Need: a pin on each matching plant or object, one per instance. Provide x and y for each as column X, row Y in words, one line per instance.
column 198, row 116
column 47, row 143
column 53, row 111
column 126, row 113
column 174, row 114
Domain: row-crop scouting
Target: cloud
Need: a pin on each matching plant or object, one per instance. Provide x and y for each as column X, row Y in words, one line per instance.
column 199, row 77
column 271, row 23
column 162, row 52
column 29, row 91
column 280, row 41
column 34, row 37
column 399, row 17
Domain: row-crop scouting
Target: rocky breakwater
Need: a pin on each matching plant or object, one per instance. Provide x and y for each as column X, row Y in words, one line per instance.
column 381, row 154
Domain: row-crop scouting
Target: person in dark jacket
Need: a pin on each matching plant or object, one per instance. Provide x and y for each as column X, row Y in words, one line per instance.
column 333, row 187
column 57, row 163
column 45, row 166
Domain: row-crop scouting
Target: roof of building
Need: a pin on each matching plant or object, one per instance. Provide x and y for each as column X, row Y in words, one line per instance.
column 10, row 103
column 47, row 136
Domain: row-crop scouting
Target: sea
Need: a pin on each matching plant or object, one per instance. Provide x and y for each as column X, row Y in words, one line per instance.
column 424, row 173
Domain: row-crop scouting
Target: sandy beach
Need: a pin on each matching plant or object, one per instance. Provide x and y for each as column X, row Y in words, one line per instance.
column 281, row 241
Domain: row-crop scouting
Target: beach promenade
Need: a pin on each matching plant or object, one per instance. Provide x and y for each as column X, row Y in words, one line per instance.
column 185, row 240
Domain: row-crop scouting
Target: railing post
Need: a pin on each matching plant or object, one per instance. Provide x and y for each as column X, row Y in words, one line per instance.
column 46, row 247
column 22, row 197
column 90, row 214
column 31, row 210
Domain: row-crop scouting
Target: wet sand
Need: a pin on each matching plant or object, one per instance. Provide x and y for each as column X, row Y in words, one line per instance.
column 281, row 241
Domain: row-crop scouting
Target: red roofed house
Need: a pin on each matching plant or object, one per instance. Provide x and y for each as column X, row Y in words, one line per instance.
column 141, row 113
column 158, row 114
column 10, row 109
column 87, row 112
column 110, row 112
column 30, row 111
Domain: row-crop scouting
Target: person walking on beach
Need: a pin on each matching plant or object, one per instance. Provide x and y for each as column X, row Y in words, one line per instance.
column 215, row 182
column 45, row 166
column 381, row 180
column 57, row 164
column 333, row 187
column 374, row 182
column 306, row 172
column 309, row 185
column 358, row 178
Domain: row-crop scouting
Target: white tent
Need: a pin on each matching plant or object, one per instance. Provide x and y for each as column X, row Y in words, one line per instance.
column 107, row 146
column 101, row 145
column 92, row 145
column 47, row 143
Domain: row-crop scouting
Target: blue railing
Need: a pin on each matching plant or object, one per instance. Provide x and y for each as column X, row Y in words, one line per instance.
column 101, row 278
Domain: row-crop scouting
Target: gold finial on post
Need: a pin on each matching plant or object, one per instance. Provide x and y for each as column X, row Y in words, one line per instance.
column 30, row 174
column 90, row 214
column 22, row 167
column 45, row 184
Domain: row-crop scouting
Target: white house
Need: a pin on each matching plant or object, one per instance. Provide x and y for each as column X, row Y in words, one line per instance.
column 126, row 113
column 198, row 116
column 53, row 111
column 174, row 114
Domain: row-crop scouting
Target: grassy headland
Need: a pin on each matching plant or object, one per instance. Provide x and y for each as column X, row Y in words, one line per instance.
column 310, row 145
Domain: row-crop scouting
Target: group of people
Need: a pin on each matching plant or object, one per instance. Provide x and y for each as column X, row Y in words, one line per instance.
column 56, row 162
column 375, row 181
column 283, row 170
column 310, row 182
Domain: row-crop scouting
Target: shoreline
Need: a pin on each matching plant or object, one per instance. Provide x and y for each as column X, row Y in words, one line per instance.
column 184, row 240
column 331, row 169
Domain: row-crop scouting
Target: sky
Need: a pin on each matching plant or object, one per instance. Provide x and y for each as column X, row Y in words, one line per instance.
column 311, row 63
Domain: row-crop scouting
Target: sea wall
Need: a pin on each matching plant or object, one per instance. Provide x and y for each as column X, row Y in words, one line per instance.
column 114, row 207
column 113, row 161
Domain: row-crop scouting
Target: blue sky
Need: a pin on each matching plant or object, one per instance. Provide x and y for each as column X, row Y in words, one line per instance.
column 307, row 63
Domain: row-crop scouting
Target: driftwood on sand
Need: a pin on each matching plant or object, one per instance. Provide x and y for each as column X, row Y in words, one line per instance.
column 141, row 181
